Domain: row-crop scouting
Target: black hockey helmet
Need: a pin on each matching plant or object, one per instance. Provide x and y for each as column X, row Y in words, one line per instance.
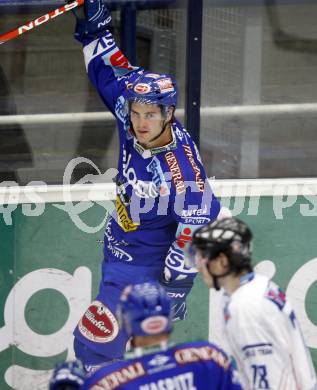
column 230, row 236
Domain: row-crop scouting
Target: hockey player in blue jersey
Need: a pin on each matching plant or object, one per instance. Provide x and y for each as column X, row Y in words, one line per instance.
column 162, row 191
column 144, row 312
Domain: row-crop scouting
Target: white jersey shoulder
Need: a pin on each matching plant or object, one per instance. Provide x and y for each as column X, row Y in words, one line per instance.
column 266, row 340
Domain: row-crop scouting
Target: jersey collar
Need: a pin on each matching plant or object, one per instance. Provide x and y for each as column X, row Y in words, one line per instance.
column 246, row 278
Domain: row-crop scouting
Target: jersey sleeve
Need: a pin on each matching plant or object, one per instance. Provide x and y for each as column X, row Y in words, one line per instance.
column 108, row 69
column 219, row 369
column 230, row 379
column 300, row 356
column 95, row 379
column 192, row 204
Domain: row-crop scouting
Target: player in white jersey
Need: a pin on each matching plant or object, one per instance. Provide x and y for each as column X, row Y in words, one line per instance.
column 261, row 327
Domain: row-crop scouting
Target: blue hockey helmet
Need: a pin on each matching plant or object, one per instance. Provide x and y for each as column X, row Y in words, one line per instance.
column 152, row 88
column 145, row 310
column 68, row 375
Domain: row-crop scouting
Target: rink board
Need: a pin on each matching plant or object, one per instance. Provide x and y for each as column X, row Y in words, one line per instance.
column 50, row 270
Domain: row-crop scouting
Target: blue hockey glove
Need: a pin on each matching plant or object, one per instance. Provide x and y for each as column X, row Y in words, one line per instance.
column 96, row 20
column 177, row 292
column 177, row 280
column 67, row 376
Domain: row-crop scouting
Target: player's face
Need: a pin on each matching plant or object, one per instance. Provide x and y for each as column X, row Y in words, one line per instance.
column 148, row 121
column 201, row 263
column 216, row 267
column 207, row 278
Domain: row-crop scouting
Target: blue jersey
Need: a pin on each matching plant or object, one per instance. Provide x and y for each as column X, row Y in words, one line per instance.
column 188, row 366
column 162, row 193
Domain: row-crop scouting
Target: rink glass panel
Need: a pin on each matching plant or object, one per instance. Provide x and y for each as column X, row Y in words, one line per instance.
column 43, row 72
column 251, row 55
column 257, row 56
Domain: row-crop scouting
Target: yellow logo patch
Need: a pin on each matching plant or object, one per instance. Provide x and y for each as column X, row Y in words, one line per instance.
column 123, row 218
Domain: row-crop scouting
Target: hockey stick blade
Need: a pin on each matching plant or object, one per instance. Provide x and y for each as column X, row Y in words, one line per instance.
column 38, row 21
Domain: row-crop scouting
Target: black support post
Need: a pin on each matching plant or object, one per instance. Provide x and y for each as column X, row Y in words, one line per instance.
column 193, row 67
column 128, row 32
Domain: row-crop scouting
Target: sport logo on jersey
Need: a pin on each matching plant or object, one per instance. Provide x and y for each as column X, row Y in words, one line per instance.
column 176, row 172
column 194, row 354
column 183, row 235
column 98, row 324
column 119, row 63
column 199, row 181
column 175, row 264
column 276, row 295
column 113, row 245
column 158, row 177
column 99, row 46
column 121, row 376
column 120, row 109
column 143, row 189
column 159, row 360
column 124, row 220
column 195, row 216
column 118, row 59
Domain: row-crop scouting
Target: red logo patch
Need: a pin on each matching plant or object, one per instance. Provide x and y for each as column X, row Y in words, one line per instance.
column 119, row 60
column 154, row 325
column 165, row 85
column 184, row 237
column 142, row 88
column 98, row 324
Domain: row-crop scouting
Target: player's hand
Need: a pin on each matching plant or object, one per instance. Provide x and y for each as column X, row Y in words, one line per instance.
column 177, row 284
column 95, row 22
column 177, row 280
column 67, row 376
column 178, row 293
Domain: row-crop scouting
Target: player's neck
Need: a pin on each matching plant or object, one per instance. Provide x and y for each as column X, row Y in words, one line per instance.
column 232, row 282
column 147, row 348
column 148, row 341
column 164, row 139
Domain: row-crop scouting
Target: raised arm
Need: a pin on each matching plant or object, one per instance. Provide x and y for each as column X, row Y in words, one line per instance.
column 108, row 69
